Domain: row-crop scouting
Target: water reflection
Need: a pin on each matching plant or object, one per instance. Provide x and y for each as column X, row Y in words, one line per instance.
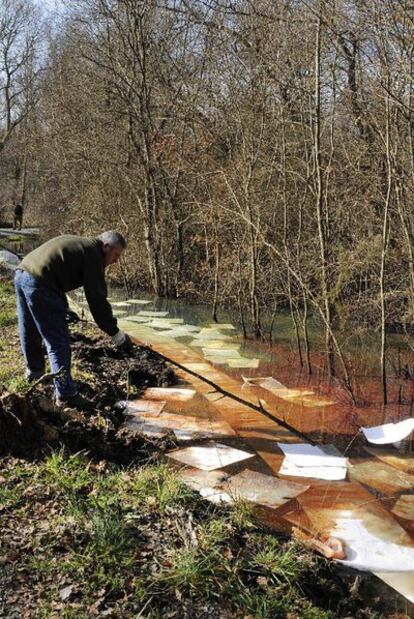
column 280, row 360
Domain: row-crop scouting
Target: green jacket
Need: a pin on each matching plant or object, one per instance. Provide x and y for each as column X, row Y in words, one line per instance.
column 68, row 262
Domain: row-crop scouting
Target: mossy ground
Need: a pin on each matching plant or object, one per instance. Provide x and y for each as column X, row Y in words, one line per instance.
column 83, row 536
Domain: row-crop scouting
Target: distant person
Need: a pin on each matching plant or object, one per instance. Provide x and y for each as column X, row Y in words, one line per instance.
column 42, row 279
column 18, row 217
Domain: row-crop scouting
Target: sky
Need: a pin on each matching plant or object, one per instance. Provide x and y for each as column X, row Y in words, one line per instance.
column 49, row 5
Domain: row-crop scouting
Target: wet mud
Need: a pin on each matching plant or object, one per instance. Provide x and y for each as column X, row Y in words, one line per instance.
column 31, row 423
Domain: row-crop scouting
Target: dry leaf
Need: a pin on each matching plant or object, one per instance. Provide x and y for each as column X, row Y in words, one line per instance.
column 65, row 593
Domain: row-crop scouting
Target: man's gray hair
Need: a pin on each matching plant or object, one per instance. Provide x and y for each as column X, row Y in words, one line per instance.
column 112, row 238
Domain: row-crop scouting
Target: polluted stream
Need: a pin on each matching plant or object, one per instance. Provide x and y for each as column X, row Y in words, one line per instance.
column 371, row 507
column 369, row 511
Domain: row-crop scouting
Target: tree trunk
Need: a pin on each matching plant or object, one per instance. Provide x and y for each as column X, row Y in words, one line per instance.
column 384, row 245
column 320, row 202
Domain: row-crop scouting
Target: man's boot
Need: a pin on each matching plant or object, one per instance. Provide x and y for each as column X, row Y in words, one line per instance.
column 76, row 401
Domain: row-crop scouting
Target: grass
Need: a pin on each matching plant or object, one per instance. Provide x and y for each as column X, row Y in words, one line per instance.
column 7, row 305
column 7, row 319
column 82, row 375
column 275, row 560
column 136, row 538
column 158, row 488
column 69, row 474
column 18, row 384
column 11, row 366
column 14, row 238
column 6, row 296
column 192, row 571
column 126, row 539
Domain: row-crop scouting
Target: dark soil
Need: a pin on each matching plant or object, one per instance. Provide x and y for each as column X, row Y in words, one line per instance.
column 30, row 421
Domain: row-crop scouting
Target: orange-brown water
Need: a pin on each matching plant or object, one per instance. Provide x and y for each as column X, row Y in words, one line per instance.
column 377, row 478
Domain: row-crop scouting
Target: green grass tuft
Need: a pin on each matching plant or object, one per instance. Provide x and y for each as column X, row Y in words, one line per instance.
column 191, row 571
column 7, row 319
column 67, row 473
column 158, row 487
column 243, row 515
column 276, row 561
column 18, row 384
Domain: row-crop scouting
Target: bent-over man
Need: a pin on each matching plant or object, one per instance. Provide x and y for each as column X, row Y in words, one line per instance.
column 42, row 279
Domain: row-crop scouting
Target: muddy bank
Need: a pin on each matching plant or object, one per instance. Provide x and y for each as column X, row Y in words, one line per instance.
column 30, row 422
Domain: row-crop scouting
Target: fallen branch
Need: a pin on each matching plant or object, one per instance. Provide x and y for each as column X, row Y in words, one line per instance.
column 43, row 379
column 10, row 399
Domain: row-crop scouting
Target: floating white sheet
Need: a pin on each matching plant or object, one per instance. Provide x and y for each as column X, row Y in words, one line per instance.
column 404, row 507
column 216, row 360
column 267, row 382
column 209, row 456
column 300, row 396
column 144, row 406
column 389, row 432
column 366, row 551
column 139, row 301
column 212, row 334
column 204, row 340
column 218, row 344
column 161, row 322
column 143, row 319
column 176, row 331
column 403, row 583
column 230, row 353
column 330, row 473
column 243, row 363
column 304, row 460
column 273, row 385
column 221, row 325
column 187, row 328
column 152, row 314
column 169, row 393
column 215, row 496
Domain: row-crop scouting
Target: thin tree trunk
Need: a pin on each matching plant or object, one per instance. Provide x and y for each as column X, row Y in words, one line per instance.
column 306, row 333
column 384, row 245
column 272, row 323
column 285, row 245
column 320, row 199
column 239, row 297
column 216, row 281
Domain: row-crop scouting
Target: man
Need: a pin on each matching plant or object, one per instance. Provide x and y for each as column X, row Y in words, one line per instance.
column 42, row 279
column 18, row 217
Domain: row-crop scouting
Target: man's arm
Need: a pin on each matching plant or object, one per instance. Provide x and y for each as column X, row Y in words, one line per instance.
column 96, row 294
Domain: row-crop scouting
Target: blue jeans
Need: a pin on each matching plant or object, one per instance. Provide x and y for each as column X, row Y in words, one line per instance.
column 41, row 316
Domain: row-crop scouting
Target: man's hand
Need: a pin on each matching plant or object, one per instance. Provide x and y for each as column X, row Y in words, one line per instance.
column 128, row 345
column 123, row 341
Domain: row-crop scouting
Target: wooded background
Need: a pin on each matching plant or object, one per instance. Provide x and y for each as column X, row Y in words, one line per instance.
column 254, row 153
